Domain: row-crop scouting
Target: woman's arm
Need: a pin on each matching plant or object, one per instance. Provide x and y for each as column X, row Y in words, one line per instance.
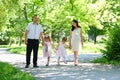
column 81, row 37
column 70, row 39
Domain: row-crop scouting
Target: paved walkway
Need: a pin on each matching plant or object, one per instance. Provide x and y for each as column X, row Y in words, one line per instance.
column 85, row 70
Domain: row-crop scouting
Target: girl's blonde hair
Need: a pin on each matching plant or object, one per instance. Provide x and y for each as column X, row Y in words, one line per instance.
column 48, row 37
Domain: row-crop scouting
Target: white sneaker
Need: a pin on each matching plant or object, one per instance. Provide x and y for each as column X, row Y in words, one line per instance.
column 58, row 63
column 65, row 61
column 47, row 64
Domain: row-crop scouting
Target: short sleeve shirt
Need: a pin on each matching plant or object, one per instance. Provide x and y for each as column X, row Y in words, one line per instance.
column 34, row 31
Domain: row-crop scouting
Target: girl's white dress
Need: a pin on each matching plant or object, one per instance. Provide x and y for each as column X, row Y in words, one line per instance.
column 61, row 52
column 76, row 40
column 49, row 52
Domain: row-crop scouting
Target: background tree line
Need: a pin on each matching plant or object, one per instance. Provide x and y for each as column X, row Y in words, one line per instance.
column 96, row 17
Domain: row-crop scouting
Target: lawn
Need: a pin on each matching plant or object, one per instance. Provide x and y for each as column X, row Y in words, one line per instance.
column 8, row 72
column 88, row 48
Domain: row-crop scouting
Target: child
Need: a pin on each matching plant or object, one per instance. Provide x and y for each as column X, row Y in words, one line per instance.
column 47, row 49
column 61, row 51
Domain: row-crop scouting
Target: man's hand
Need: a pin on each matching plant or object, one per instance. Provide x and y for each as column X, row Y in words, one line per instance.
column 26, row 41
column 42, row 37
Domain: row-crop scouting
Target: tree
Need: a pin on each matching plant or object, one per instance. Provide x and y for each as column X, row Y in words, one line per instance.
column 56, row 16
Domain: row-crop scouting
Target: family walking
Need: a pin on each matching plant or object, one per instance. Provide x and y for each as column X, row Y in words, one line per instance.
column 34, row 33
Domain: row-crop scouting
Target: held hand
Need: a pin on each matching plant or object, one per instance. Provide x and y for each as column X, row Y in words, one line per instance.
column 82, row 44
column 43, row 43
column 69, row 45
column 56, row 48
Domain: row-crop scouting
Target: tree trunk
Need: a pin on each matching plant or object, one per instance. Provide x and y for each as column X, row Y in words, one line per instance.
column 95, row 39
column 10, row 43
column 71, row 2
column 25, row 12
column 20, row 40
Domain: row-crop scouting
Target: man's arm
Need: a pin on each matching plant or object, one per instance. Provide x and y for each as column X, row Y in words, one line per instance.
column 26, row 33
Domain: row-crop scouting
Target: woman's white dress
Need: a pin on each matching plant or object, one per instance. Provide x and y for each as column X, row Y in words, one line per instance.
column 76, row 40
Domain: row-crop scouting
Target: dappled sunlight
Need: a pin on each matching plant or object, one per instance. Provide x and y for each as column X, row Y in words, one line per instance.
column 25, row 23
column 84, row 71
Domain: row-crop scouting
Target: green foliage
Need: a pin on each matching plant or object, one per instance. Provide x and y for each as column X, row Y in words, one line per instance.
column 56, row 16
column 88, row 48
column 103, row 60
column 112, row 49
column 3, row 39
column 8, row 72
column 17, row 50
column 94, row 32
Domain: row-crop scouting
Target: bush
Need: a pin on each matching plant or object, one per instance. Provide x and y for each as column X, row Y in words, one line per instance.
column 8, row 72
column 103, row 60
column 112, row 48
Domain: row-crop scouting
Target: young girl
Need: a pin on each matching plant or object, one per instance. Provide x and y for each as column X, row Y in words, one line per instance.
column 47, row 49
column 61, row 51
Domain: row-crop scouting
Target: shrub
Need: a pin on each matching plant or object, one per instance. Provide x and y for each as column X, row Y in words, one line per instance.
column 8, row 72
column 112, row 48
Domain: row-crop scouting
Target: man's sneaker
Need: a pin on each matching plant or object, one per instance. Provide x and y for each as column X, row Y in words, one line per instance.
column 58, row 63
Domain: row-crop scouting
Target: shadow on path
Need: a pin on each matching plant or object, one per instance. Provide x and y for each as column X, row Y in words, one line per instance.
column 84, row 71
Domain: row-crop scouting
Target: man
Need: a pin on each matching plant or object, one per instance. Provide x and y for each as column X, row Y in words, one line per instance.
column 32, row 34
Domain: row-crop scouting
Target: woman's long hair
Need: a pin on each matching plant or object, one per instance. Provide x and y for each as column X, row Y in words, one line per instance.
column 72, row 29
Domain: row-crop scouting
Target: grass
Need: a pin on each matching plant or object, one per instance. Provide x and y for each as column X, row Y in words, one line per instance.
column 20, row 49
column 4, row 46
column 103, row 60
column 8, row 72
column 88, row 48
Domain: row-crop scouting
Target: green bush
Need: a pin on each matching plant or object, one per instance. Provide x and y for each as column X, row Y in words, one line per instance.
column 112, row 48
column 8, row 72
column 103, row 60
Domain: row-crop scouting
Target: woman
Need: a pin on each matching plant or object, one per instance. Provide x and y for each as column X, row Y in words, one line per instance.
column 76, row 40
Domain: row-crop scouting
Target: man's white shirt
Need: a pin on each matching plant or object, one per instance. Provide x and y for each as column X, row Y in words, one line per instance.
column 34, row 30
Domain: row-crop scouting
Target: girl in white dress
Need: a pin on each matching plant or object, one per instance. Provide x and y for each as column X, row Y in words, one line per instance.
column 47, row 49
column 61, row 51
column 76, row 40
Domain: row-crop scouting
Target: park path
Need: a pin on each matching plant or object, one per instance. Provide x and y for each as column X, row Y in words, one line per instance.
column 85, row 70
